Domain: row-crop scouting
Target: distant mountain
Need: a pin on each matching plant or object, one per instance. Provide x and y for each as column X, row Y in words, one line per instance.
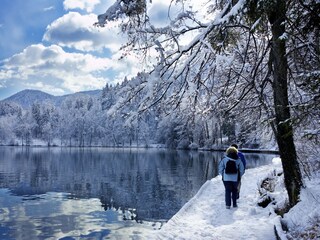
column 92, row 93
column 27, row 97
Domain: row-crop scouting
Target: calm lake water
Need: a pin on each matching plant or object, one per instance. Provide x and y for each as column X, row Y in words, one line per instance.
column 98, row 193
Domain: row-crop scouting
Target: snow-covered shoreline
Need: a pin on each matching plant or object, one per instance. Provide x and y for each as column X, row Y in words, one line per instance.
column 57, row 144
column 205, row 215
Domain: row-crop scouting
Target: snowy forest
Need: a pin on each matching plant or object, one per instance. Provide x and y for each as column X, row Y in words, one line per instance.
column 243, row 61
column 95, row 120
column 242, row 71
column 210, row 80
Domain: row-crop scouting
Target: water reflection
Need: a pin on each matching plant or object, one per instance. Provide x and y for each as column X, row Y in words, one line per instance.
column 71, row 192
column 58, row 216
column 155, row 182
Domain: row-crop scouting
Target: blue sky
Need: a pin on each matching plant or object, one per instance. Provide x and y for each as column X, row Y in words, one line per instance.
column 52, row 45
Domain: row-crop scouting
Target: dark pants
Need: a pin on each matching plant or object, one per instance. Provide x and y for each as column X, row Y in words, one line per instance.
column 231, row 192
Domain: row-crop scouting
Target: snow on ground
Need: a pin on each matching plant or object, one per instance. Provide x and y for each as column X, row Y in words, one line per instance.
column 206, row 217
column 303, row 221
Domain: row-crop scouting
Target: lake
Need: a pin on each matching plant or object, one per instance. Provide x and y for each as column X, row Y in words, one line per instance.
column 99, row 193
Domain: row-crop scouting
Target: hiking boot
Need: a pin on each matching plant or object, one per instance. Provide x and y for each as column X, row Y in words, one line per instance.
column 235, row 205
column 227, row 207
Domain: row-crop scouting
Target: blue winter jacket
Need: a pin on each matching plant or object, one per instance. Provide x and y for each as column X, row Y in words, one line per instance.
column 243, row 159
column 230, row 177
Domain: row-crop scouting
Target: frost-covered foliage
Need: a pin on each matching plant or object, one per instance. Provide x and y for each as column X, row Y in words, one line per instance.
column 206, row 73
column 211, row 82
column 244, row 59
column 123, row 8
column 304, row 63
column 118, row 119
column 221, row 63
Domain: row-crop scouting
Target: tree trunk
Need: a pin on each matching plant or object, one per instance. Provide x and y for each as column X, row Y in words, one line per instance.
column 283, row 125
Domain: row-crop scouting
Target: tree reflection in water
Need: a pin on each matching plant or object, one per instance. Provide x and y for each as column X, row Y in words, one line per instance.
column 124, row 185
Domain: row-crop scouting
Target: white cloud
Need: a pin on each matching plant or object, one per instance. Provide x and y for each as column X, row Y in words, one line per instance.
column 87, row 5
column 59, row 69
column 54, row 70
column 74, row 30
column 48, row 8
column 2, row 80
column 46, row 88
column 159, row 12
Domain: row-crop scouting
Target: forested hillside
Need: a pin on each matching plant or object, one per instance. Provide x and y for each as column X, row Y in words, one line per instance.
column 106, row 118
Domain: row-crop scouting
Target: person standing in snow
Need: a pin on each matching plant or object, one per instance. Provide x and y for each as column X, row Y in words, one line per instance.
column 243, row 160
column 229, row 168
